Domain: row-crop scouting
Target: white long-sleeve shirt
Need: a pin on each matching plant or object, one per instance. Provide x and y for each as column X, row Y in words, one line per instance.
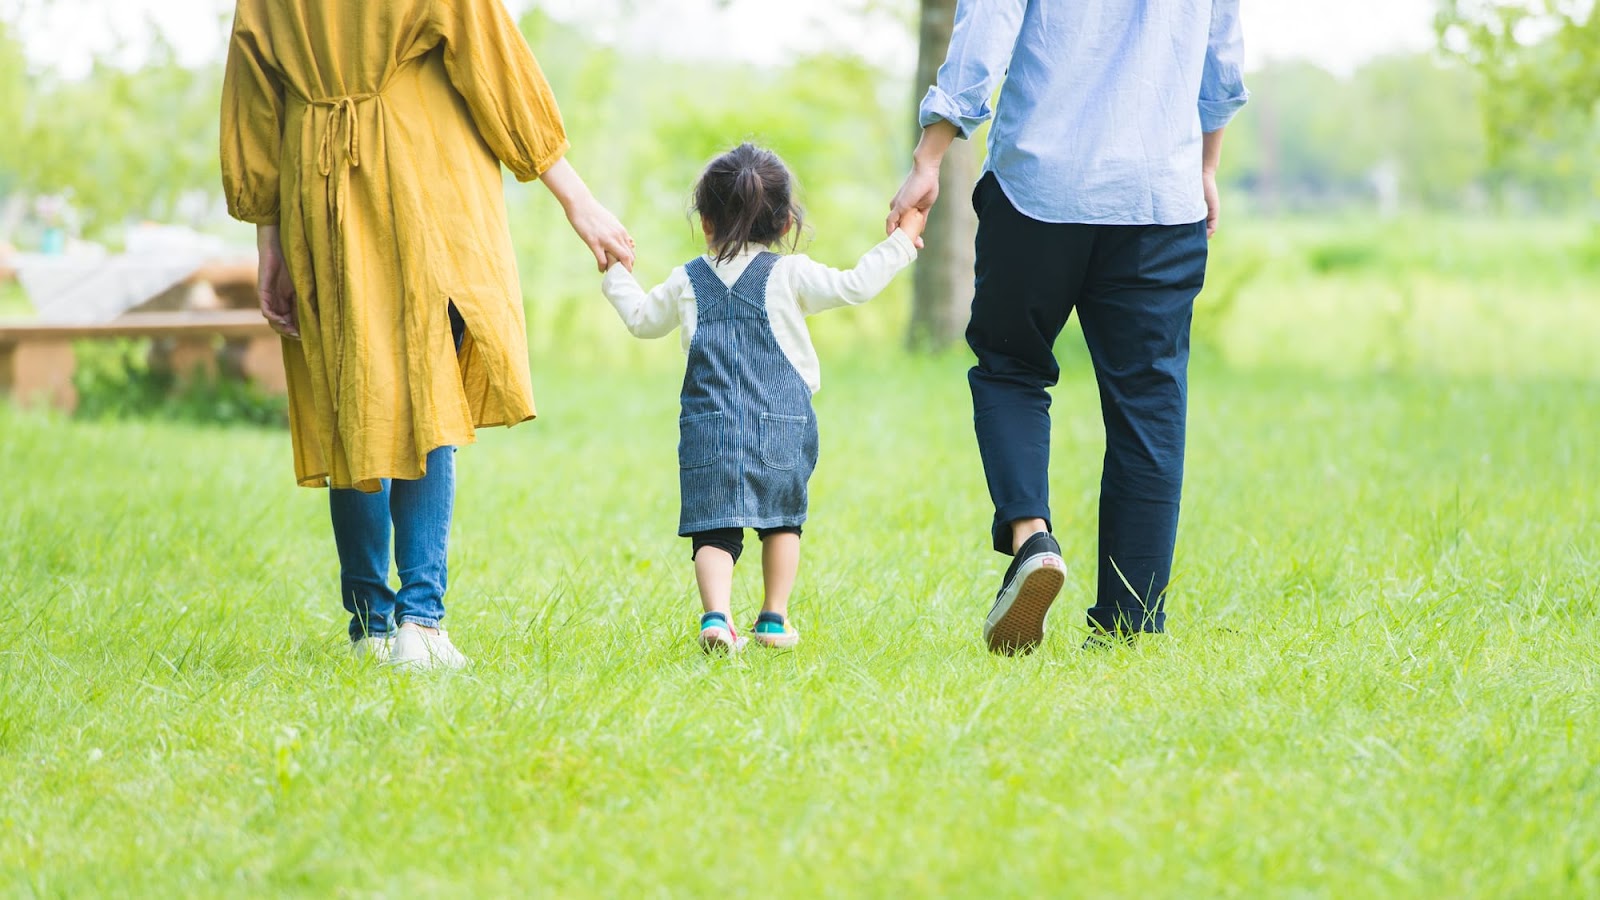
column 798, row 287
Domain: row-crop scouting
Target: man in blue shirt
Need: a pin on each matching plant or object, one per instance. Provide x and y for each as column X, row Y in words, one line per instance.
column 1099, row 194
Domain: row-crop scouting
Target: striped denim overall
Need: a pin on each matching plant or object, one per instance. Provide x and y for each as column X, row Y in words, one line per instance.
column 747, row 439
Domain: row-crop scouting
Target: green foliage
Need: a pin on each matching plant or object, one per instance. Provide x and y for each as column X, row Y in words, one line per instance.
column 14, row 154
column 130, row 144
column 114, row 381
column 1411, row 114
column 13, row 300
column 1313, row 141
column 122, row 144
column 1540, row 61
column 1481, row 294
column 642, row 129
column 1344, row 256
column 1474, row 295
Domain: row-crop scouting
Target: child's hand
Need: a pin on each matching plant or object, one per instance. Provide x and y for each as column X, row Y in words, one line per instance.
column 912, row 221
column 612, row 259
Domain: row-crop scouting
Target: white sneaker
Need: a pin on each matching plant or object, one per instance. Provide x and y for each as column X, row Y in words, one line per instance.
column 417, row 649
column 375, row 649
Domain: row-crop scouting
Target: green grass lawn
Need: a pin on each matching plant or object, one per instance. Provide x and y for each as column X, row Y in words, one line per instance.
column 1382, row 676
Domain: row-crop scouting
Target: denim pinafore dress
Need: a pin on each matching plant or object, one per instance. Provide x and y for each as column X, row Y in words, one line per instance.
column 747, row 435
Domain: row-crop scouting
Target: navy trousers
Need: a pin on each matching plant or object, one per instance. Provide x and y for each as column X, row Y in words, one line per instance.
column 1134, row 288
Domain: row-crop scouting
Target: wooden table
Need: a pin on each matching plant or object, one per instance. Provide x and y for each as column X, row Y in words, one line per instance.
column 37, row 361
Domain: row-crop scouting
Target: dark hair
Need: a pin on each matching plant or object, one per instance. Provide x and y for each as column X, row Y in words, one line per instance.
column 746, row 196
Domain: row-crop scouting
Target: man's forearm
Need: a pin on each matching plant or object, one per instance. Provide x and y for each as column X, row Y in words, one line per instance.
column 934, row 144
column 1211, row 151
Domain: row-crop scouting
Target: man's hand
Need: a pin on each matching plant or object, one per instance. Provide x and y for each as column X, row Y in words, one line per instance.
column 1210, row 160
column 917, row 195
column 921, row 187
column 1213, row 202
column 274, row 288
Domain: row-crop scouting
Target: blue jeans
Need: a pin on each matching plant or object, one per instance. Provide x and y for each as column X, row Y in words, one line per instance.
column 420, row 512
column 1133, row 287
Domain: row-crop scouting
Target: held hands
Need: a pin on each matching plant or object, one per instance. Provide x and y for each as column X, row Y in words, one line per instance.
column 912, row 222
column 274, row 288
column 602, row 233
column 594, row 224
column 915, row 197
column 921, row 187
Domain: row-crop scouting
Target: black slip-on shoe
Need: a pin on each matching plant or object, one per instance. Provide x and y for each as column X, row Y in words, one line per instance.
column 1109, row 640
column 1016, row 623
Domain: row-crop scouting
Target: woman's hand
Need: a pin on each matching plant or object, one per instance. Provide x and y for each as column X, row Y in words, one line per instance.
column 274, row 288
column 603, row 234
column 594, row 224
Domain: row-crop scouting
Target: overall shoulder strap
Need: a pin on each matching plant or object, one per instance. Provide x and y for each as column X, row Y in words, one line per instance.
column 708, row 288
column 753, row 282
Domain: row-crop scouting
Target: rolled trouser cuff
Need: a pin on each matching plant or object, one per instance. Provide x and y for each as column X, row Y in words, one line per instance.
column 1012, row 512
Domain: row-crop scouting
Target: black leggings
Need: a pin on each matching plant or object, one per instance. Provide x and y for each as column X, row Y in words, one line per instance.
column 731, row 540
column 458, row 325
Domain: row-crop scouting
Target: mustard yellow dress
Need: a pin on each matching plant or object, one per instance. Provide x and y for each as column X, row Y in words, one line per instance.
column 372, row 133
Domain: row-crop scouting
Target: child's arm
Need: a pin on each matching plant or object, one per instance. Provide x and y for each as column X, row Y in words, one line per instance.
column 647, row 315
column 819, row 287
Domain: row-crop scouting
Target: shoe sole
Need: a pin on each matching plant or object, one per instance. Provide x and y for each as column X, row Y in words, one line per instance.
column 1016, row 626
column 428, row 664
column 777, row 641
column 716, row 640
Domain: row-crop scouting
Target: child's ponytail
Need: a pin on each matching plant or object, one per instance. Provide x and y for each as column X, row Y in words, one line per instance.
column 745, row 196
column 749, row 196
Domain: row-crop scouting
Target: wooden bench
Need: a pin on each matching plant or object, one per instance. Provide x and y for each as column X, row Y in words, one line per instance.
column 37, row 360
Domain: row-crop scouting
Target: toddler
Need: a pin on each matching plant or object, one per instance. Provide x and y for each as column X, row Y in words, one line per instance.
column 747, row 433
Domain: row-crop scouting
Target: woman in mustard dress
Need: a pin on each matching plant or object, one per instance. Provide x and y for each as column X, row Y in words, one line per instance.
column 364, row 140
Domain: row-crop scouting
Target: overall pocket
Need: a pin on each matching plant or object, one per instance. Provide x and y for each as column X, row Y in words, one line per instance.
column 783, row 440
column 699, row 440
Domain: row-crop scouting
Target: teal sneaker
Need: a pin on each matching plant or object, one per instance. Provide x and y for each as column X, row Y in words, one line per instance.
column 774, row 631
column 717, row 634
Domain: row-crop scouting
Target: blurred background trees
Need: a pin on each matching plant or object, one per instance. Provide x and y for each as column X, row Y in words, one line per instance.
column 941, row 285
column 1498, row 123
column 1540, row 64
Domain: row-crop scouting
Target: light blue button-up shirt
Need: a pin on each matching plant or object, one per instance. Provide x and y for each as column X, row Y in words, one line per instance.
column 1104, row 103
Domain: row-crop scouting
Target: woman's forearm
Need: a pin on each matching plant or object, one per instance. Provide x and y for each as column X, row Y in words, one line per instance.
column 566, row 185
column 593, row 223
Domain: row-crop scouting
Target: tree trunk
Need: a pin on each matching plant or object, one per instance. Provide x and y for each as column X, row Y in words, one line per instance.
column 942, row 286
